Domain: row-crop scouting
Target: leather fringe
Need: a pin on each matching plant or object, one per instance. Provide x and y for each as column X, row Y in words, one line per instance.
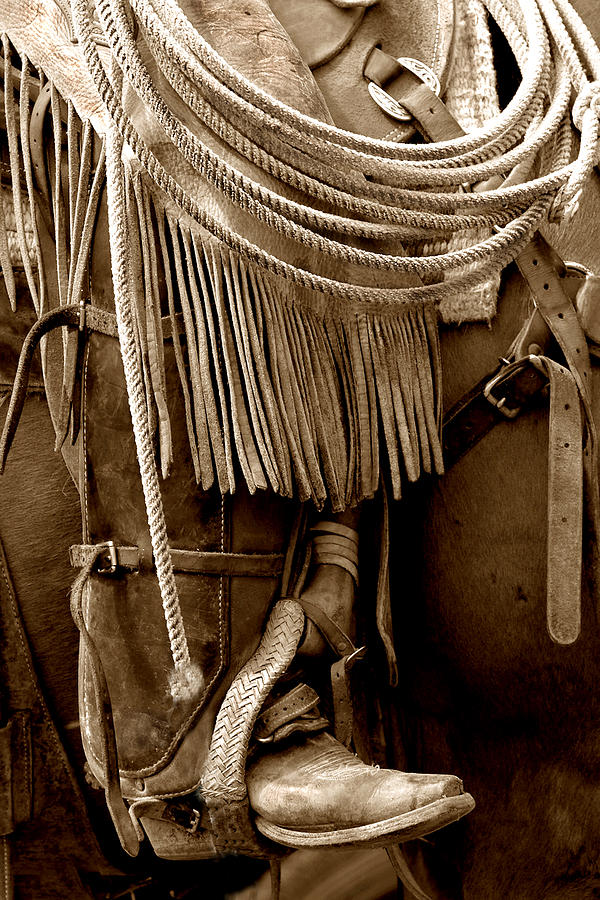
column 17, row 161
column 276, row 387
column 315, row 399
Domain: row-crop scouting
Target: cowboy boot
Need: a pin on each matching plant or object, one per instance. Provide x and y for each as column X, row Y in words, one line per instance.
column 318, row 794
column 313, row 791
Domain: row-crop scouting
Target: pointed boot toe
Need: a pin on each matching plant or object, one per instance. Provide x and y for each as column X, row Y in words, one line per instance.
column 318, row 794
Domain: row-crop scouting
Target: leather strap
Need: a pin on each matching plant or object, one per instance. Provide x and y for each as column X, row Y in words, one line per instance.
column 15, row 772
column 343, row 710
column 337, row 639
column 327, row 527
column 69, row 316
column 124, row 826
column 300, row 701
column 476, row 413
column 335, row 544
column 544, row 273
column 431, row 115
column 538, row 264
column 200, row 562
column 565, row 505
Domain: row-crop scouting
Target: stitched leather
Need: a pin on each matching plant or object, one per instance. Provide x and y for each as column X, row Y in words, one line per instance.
column 125, row 614
column 15, row 772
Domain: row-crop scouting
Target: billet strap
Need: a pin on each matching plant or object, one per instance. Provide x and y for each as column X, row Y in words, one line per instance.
column 545, row 275
column 81, row 316
column 499, row 397
column 565, row 505
column 111, row 558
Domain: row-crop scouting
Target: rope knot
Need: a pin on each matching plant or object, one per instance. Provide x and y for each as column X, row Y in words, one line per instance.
column 588, row 98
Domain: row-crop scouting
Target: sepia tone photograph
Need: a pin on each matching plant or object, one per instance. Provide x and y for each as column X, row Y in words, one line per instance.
column 299, row 468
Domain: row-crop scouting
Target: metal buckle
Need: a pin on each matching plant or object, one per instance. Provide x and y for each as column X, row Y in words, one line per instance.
column 387, row 103
column 112, row 558
column 503, row 375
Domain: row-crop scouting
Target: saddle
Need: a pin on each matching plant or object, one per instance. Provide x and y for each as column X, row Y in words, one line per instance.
column 270, row 385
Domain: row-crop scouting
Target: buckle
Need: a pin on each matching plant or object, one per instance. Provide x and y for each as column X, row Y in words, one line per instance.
column 504, row 375
column 391, row 106
column 113, row 559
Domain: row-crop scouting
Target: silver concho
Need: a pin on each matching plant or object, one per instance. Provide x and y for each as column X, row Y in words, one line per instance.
column 391, row 106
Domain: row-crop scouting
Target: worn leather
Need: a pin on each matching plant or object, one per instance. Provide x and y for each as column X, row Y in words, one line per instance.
column 475, row 415
column 43, row 816
column 318, row 28
column 124, row 612
column 162, row 746
column 319, row 785
column 415, row 29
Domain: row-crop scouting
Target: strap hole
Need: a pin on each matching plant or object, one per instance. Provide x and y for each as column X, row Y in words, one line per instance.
column 577, row 350
column 567, row 406
column 547, row 288
column 564, row 519
column 560, row 315
column 534, row 261
column 567, row 444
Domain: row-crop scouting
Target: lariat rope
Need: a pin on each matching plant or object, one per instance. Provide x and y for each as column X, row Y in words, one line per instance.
column 187, row 677
column 544, row 45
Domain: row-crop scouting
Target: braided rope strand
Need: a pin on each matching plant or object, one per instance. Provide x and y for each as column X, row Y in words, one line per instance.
column 187, row 679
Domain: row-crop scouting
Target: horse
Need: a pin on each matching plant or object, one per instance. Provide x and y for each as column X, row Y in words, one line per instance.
column 439, row 672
